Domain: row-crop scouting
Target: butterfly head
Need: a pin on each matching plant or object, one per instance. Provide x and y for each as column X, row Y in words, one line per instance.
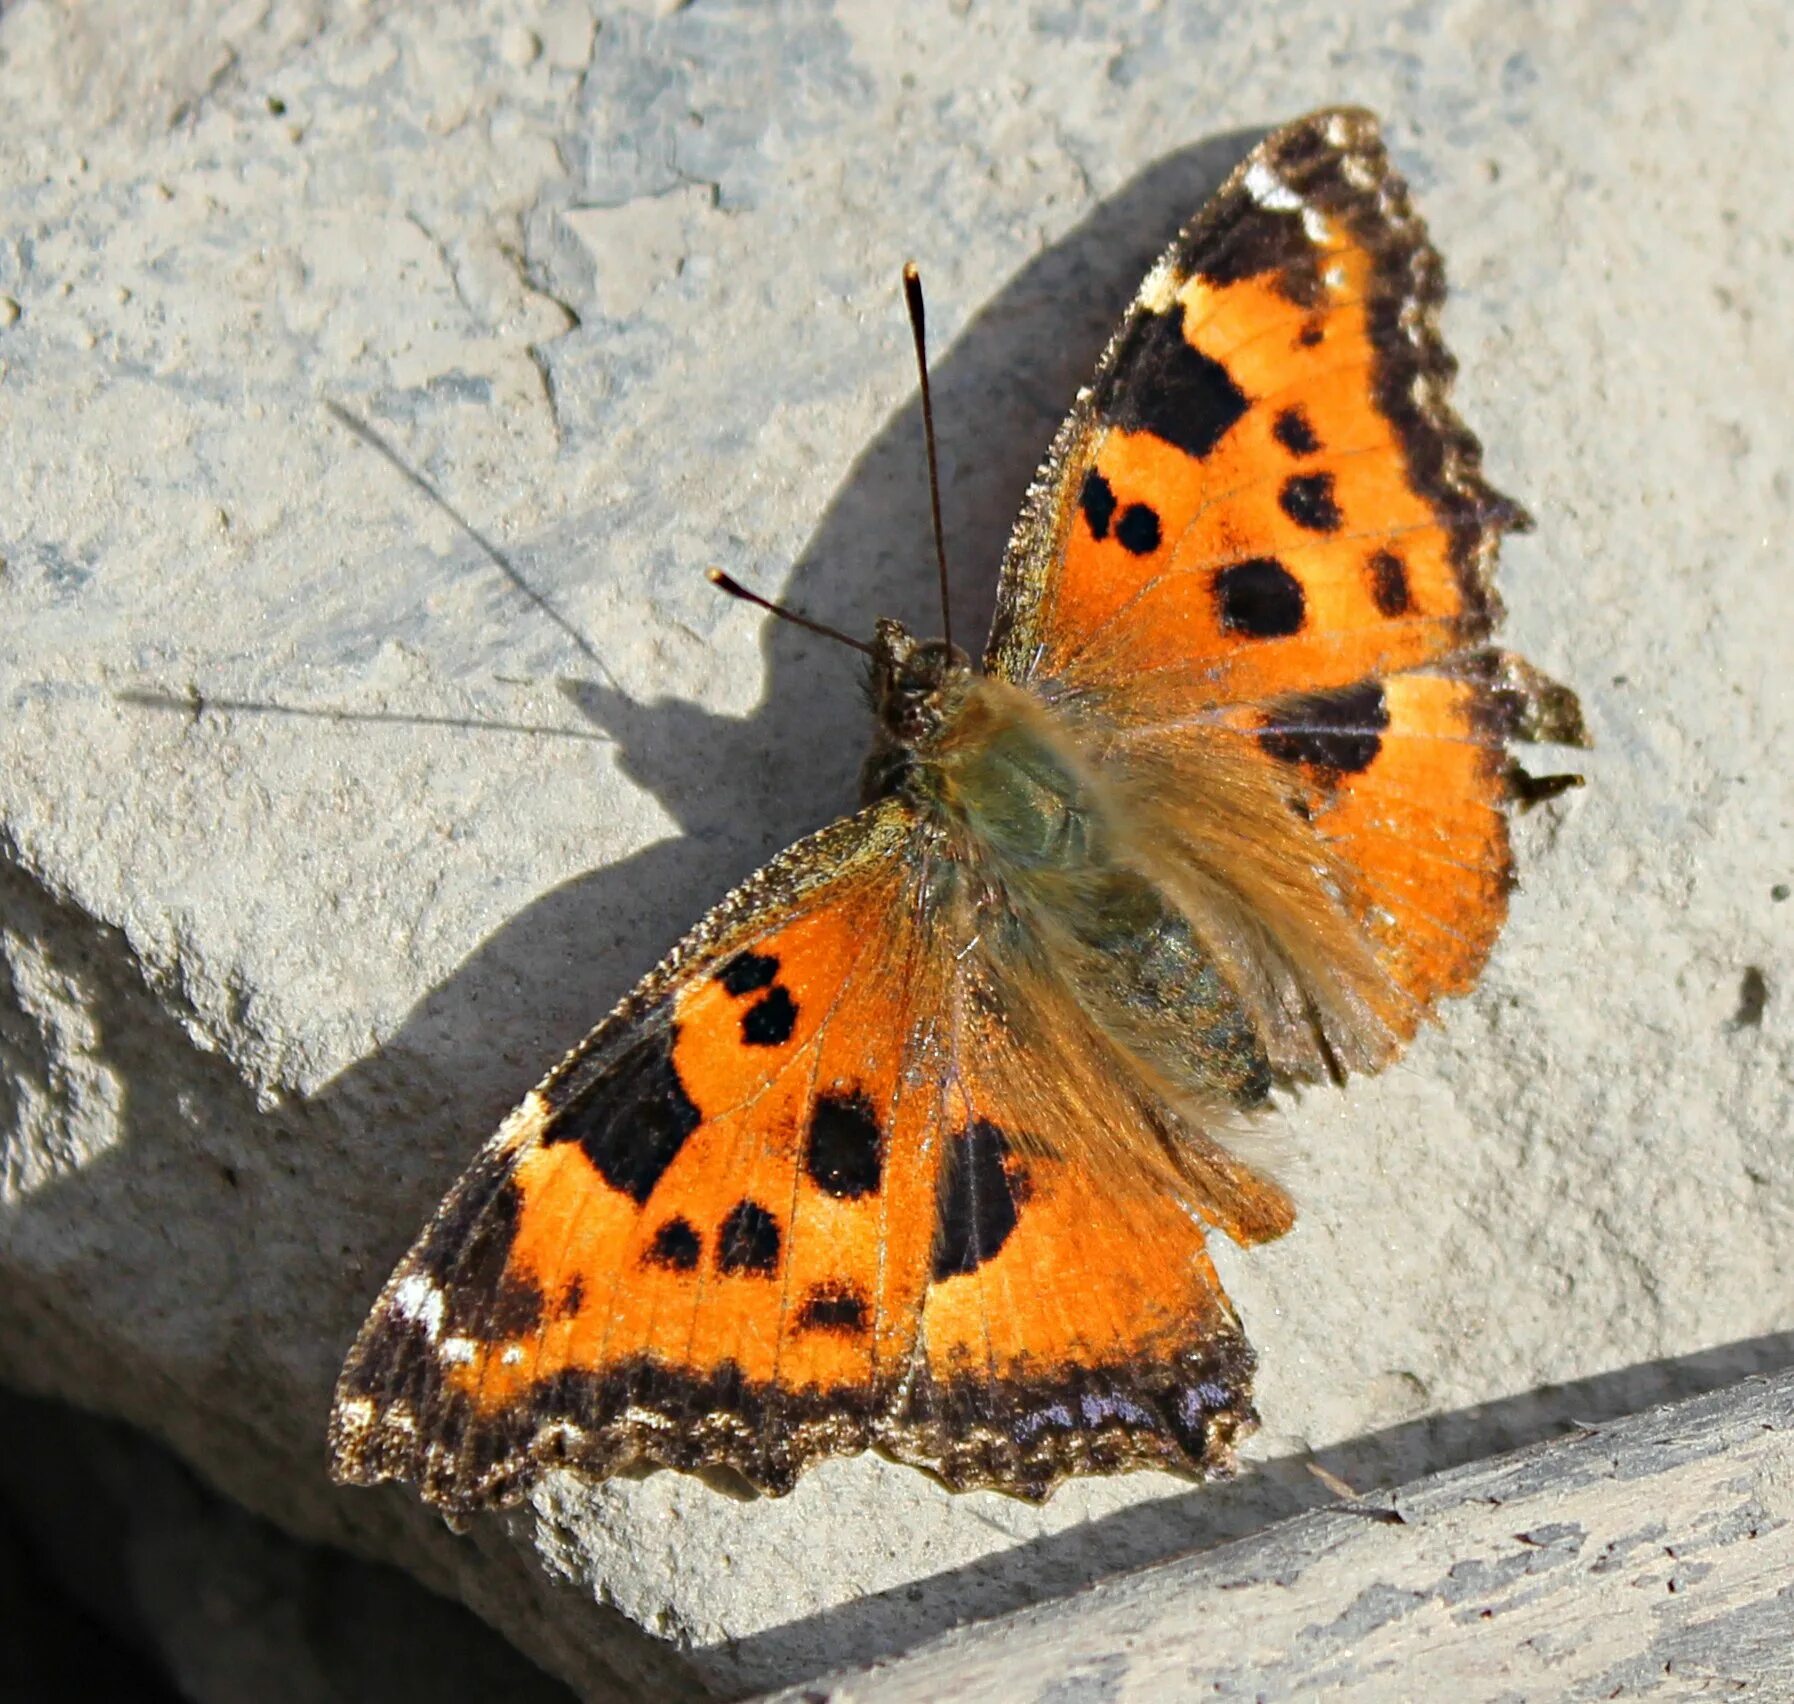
column 917, row 686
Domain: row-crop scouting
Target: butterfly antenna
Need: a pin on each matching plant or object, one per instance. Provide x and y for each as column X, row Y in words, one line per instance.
column 736, row 589
column 912, row 296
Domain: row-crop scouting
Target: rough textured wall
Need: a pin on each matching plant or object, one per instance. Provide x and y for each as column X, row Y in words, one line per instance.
column 322, row 831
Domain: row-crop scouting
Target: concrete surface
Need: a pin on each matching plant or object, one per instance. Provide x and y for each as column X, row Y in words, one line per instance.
column 1646, row 1559
column 322, row 830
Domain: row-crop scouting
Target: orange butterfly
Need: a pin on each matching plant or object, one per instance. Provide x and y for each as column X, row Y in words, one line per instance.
column 906, row 1146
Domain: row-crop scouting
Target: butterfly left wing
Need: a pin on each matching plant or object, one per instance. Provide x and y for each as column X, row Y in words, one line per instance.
column 1073, row 1322
column 1263, row 541
column 812, row 1188
column 700, row 1241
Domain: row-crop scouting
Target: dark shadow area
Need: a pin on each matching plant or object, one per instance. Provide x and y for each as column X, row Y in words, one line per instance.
column 122, row 1576
column 1203, row 1519
column 56, row 1649
column 201, row 1276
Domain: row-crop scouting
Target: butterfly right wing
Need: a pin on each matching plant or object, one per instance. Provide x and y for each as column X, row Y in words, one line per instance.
column 1261, row 554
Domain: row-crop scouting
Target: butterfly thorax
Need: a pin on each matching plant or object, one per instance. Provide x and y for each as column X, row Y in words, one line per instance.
column 976, row 757
column 1046, row 862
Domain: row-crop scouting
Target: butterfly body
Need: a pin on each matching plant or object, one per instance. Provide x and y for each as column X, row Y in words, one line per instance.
column 1036, row 852
column 909, row 1143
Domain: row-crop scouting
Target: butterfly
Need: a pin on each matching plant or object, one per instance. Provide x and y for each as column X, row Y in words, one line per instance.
column 911, row 1143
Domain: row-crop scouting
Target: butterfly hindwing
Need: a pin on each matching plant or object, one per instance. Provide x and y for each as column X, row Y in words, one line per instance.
column 1074, row 1322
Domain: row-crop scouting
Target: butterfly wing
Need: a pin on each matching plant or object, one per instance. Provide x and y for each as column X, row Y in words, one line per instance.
column 1263, row 535
column 1073, row 1322
column 698, row 1241
column 779, row 1205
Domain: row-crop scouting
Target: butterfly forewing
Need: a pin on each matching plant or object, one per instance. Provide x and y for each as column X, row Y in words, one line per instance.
column 1264, row 529
column 697, row 1242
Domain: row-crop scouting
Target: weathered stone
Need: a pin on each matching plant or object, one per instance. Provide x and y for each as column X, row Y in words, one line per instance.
column 325, row 825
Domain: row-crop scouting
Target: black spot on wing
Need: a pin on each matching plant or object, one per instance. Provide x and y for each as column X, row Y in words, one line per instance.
column 633, row 1119
column 467, row 1257
column 747, row 973
column 770, row 1020
column 675, row 1246
column 1238, row 239
column 1339, row 731
column 1295, row 432
column 1388, row 583
column 844, row 1154
column 1097, row 500
column 514, row 1309
column 573, row 1296
column 1308, row 500
column 1159, row 383
column 981, row 1187
column 836, row 1308
column 1260, row 598
column 1311, row 334
column 748, row 1241
column 1138, row 529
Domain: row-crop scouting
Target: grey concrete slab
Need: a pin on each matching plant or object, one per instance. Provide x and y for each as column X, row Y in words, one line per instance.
column 323, row 831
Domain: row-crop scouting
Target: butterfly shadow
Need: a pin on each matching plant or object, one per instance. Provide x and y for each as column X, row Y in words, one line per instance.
column 412, row 1111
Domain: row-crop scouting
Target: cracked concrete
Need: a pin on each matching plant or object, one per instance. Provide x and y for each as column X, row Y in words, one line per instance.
column 327, row 820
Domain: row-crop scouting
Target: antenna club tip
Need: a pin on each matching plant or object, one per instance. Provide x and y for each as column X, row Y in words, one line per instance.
column 911, row 272
column 728, row 583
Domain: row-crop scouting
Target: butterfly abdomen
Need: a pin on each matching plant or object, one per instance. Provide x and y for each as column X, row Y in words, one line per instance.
column 1049, row 841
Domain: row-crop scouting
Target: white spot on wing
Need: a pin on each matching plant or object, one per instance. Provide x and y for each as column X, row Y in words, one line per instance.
column 458, row 1351
column 1158, row 289
column 1275, row 196
column 1270, row 191
column 416, row 1298
column 356, row 1413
